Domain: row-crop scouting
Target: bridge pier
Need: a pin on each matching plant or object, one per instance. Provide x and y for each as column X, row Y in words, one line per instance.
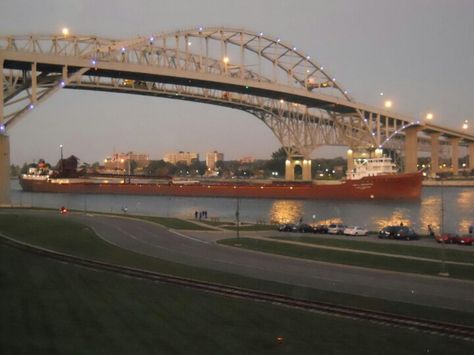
column 434, row 154
column 455, row 155
column 350, row 160
column 298, row 161
column 471, row 155
column 4, row 170
column 4, row 151
column 411, row 149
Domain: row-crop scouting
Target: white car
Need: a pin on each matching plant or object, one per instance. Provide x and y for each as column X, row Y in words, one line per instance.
column 336, row 228
column 356, row 230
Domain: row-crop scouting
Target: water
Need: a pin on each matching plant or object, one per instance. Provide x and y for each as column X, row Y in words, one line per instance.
column 458, row 206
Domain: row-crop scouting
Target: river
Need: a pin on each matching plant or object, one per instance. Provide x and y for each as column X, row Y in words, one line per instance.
column 453, row 206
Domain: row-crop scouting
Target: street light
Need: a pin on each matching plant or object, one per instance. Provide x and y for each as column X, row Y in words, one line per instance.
column 465, row 125
column 388, row 104
column 443, row 247
column 429, row 116
column 61, row 161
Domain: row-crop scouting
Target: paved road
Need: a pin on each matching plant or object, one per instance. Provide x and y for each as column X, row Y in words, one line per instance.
column 199, row 249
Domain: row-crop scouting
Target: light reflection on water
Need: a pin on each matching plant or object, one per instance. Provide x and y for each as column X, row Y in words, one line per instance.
column 458, row 208
column 286, row 211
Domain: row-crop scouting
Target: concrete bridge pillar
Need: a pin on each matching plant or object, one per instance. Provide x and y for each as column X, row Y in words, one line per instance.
column 471, row 155
column 434, row 154
column 350, row 161
column 295, row 161
column 4, row 170
column 4, row 151
column 411, row 149
column 455, row 155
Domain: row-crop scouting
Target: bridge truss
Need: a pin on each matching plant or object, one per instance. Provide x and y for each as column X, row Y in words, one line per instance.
column 286, row 89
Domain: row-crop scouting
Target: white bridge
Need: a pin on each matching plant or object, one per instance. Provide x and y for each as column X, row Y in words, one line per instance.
column 303, row 105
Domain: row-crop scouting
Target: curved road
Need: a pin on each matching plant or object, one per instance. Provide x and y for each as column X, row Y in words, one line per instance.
column 199, row 249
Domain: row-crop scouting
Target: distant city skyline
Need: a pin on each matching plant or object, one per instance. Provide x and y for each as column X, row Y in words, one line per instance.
column 417, row 52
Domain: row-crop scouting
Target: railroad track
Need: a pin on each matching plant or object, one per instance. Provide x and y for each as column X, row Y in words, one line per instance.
column 429, row 326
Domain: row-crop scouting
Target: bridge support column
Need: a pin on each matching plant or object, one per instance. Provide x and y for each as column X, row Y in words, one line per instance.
column 455, row 155
column 471, row 155
column 4, row 151
column 295, row 161
column 4, row 169
column 307, row 176
column 434, row 154
column 350, row 161
column 411, row 149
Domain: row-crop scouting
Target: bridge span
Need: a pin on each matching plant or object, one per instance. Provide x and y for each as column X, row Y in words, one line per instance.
column 299, row 100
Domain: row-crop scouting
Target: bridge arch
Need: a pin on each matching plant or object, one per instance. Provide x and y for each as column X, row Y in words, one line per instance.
column 301, row 103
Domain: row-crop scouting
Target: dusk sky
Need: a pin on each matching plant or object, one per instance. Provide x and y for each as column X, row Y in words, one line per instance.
column 419, row 53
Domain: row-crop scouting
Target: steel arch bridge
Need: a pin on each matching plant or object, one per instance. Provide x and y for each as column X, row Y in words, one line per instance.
column 289, row 91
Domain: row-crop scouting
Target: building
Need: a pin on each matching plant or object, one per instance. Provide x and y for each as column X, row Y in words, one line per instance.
column 247, row 160
column 181, row 157
column 120, row 161
column 212, row 158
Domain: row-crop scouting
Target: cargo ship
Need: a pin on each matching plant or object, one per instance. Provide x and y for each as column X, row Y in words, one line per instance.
column 370, row 179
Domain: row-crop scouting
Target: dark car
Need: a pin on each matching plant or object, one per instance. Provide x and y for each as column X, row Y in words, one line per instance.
column 321, row 229
column 406, row 233
column 304, row 228
column 287, row 227
column 398, row 232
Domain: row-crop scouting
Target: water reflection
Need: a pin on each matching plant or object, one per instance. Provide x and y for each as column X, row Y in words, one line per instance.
column 430, row 213
column 458, row 208
column 398, row 217
column 286, row 211
column 465, row 199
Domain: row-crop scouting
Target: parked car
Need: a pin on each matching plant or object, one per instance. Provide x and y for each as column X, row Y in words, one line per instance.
column 355, row 230
column 406, row 233
column 287, row 227
column 446, row 238
column 449, row 238
column 321, row 229
column 398, row 232
column 304, row 228
column 336, row 228
column 464, row 240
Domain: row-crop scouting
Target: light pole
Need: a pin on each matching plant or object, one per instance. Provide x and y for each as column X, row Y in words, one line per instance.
column 61, row 155
column 237, row 212
column 443, row 247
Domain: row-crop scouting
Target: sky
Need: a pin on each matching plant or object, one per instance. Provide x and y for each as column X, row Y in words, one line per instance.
column 419, row 53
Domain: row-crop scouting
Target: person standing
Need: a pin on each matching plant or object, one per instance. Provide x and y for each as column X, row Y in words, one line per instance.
column 431, row 231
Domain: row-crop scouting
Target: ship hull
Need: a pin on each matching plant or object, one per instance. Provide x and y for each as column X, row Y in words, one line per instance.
column 385, row 187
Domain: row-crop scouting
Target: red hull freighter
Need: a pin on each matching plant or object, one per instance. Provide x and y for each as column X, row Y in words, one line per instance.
column 370, row 179
column 382, row 187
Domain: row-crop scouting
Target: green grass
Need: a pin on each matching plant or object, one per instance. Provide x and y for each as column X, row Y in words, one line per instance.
column 355, row 259
column 402, row 248
column 61, row 234
column 54, row 308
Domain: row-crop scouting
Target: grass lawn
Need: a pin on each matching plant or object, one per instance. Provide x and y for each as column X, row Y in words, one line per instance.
column 402, row 248
column 355, row 259
column 61, row 234
column 49, row 307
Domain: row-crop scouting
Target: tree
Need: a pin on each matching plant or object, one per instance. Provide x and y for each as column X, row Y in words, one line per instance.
column 197, row 167
column 277, row 163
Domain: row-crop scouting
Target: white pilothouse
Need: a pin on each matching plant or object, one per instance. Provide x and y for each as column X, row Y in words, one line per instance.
column 372, row 167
